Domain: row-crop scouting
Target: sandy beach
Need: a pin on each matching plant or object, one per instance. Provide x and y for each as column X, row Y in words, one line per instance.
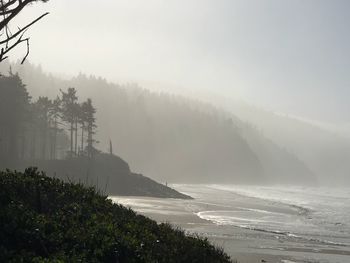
column 242, row 243
column 238, row 249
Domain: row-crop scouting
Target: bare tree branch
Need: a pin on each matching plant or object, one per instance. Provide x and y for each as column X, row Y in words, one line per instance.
column 9, row 10
column 25, row 57
column 23, row 29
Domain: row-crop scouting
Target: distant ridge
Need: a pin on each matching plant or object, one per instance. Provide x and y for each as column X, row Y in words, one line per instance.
column 174, row 139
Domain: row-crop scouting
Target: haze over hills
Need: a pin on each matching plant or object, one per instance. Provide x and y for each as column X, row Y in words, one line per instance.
column 324, row 151
column 174, row 139
column 229, row 119
column 323, row 146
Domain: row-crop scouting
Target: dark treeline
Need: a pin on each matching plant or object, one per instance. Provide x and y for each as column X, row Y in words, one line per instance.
column 43, row 129
column 171, row 138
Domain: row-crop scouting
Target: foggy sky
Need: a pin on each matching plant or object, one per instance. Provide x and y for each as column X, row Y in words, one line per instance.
column 288, row 56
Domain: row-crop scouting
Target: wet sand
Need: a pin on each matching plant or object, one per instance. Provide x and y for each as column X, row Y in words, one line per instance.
column 236, row 248
column 243, row 245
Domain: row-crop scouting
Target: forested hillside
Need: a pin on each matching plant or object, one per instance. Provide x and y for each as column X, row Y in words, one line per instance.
column 174, row 139
column 324, row 151
column 46, row 220
column 58, row 136
column 32, row 129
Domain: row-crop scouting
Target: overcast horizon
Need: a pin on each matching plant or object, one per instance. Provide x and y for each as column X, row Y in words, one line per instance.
column 290, row 57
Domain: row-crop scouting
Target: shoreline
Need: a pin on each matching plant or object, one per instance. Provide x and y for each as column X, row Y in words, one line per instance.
column 194, row 225
column 243, row 245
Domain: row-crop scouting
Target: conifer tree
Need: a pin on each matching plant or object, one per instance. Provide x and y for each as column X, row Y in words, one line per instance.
column 91, row 126
column 14, row 108
column 69, row 102
column 55, row 113
column 43, row 106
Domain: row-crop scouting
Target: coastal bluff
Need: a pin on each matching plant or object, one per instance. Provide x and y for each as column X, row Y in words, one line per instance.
column 108, row 173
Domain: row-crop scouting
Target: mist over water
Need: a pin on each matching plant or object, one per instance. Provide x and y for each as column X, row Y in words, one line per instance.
column 241, row 105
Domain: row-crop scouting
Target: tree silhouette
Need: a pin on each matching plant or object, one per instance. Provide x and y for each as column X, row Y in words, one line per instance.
column 9, row 9
column 55, row 113
column 39, row 130
column 14, row 107
column 83, row 118
column 77, row 114
column 91, row 126
column 69, row 110
column 110, row 147
column 43, row 106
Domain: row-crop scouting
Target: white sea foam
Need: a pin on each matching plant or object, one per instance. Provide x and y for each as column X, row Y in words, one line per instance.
column 319, row 215
column 275, row 218
column 315, row 219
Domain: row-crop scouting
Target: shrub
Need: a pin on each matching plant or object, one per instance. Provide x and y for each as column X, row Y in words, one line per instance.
column 43, row 219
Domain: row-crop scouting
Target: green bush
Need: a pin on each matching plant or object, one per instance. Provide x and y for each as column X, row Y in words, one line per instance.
column 43, row 219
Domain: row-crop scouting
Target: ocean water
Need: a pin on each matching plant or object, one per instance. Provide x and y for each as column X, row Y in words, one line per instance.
column 305, row 223
column 317, row 214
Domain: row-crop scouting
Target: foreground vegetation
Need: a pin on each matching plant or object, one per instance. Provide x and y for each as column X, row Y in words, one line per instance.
column 47, row 220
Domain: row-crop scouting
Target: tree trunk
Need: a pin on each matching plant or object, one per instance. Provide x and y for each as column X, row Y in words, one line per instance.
column 33, row 150
column 76, row 138
column 51, row 145
column 13, row 151
column 23, row 147
column 43, row 150
column 55, row 141
column 71, row 138
column 82, row 139
column 89, row 142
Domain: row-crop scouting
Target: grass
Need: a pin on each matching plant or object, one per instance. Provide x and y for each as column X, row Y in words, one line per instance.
column 43, row 219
